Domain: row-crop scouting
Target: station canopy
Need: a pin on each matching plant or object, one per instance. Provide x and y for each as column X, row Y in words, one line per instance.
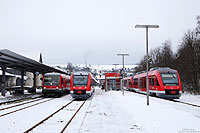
column 16, row 61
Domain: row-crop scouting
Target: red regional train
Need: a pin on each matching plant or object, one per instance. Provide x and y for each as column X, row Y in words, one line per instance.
column 163, row 82
column 82, row 85
column 55, row 84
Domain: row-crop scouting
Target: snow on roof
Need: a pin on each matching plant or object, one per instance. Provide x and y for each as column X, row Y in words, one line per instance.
column 32, row 55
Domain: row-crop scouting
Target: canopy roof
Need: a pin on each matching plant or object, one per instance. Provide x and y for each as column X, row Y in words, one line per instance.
column 16, row 61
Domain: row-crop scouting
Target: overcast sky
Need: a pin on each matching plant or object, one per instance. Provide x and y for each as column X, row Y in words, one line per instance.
column 92, row 30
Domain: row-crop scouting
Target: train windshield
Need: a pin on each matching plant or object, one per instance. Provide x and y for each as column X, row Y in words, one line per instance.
column 170, row 79
column 51, row 80
column 80, row 80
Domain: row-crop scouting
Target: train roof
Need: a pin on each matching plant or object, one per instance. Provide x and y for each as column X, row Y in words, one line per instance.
column 81, row 73
column 51, row 74
column 55, row 74
column 163, row 70
column 156, row 71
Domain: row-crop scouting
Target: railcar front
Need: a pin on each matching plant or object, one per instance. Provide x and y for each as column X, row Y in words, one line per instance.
column 170, row 84
column 81, row 85
column 54, row 84
column 163, row 82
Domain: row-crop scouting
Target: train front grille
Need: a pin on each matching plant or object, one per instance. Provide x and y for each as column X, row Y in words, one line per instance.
column 171, row 92
column 79, row 92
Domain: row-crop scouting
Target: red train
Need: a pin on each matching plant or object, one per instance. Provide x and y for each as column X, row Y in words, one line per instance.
column 55, row 84
column 82, row 85
column 163, row 82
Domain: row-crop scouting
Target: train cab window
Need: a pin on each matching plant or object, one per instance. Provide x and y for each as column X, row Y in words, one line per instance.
column 51, row 80
column 80, row 80
column 169, row 79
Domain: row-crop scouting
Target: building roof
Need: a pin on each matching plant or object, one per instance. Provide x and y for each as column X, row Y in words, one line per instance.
column 16, row 61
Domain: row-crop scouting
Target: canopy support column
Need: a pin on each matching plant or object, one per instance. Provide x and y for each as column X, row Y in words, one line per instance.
column 3, row 85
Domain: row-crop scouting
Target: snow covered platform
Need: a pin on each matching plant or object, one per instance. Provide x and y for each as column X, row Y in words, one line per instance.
column 111, row 112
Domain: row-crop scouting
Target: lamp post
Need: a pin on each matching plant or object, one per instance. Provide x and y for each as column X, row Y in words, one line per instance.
column 147, row 56
column 115, row 66
column 122, row 69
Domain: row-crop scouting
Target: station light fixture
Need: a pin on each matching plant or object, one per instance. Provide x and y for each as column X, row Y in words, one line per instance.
column 147, row 60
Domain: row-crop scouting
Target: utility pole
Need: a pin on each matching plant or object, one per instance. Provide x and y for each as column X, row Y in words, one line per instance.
column 115, row 66
column 122, row 70
column 147, row 56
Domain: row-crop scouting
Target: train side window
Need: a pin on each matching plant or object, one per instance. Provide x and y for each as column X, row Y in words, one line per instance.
column 129, row 82
column 150, row 78
column 157, row 84
column 140, row 83
column 153, row 78
column 135, row 82
column 144, row 82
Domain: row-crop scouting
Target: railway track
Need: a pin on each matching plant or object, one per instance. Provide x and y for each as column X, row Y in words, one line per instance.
column 185, row 103
column 60, row 119
column 19, row 100
column 21, row 104
column 22, row 108
column 172, row 100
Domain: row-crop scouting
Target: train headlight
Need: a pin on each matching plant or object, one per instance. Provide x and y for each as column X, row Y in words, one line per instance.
column 74, row 87
column 85, row 87
column 44, row 87
column 56, row 87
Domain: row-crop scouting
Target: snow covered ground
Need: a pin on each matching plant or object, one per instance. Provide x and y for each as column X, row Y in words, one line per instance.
column 189, row 98
column 111, row 112
column 21, row 121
